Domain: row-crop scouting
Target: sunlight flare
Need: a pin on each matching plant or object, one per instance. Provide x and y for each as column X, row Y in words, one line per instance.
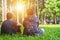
column 20, row 7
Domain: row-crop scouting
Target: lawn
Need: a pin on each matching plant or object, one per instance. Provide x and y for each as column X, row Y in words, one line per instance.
column 52, row 32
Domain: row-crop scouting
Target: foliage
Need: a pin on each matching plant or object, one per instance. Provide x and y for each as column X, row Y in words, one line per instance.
column 53, row 5
column 51, row 9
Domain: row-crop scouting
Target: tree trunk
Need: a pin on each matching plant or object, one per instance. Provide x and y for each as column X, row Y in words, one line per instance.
column 44, row 19
column 55, row 19
column 50, row 20
column 42, row 7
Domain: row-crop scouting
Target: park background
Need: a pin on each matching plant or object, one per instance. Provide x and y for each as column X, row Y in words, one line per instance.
column 49, row 19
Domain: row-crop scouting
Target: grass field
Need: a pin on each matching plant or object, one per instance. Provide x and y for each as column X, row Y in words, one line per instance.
column 52, row 32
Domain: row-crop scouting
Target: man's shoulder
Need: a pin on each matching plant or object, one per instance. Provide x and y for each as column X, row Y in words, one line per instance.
column 8, row 21
column 4, row 21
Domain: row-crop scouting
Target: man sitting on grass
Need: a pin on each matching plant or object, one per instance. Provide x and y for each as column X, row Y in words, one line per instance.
column 31, row 24
column 9, row 26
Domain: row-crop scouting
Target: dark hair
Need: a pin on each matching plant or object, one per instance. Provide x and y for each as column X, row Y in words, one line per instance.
column 30, row 11
column 9, row 15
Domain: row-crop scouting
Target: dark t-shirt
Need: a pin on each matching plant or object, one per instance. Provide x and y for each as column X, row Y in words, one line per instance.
column 9, row 27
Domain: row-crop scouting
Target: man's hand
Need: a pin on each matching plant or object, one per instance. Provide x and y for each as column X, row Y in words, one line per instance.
column 19, row 24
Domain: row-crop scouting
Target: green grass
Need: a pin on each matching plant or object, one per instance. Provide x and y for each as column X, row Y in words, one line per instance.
column 52, row 32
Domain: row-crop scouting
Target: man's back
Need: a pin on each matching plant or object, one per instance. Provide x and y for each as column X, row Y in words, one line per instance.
column 9, row 27
column 31, row 23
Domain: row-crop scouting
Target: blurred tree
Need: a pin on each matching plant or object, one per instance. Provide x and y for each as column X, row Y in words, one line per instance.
column 42, row 11
column 0, row 11
column 53, row 8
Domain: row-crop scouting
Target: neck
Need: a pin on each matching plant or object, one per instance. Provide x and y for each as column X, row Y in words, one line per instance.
column 9, row 19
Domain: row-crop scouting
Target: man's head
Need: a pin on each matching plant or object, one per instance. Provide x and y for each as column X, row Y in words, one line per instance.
column 30, row 11
column 9, row 15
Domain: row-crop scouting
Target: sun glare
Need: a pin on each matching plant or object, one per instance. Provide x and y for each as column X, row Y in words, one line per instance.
column 20, row 7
